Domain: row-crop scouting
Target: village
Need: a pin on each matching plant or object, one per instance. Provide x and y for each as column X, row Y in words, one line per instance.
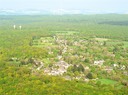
column 64, row 54
column 65, row 60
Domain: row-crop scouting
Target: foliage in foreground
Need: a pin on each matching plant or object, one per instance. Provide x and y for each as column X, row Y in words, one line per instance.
column 19, row 81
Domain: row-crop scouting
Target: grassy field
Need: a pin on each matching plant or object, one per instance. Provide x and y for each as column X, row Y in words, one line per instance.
column 118, row 42
column 107, row 81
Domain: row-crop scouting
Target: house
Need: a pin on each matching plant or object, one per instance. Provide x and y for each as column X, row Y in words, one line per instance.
column 40, row 66
column 122, row 67
column 125, row 73
column 99, row 63
column 108, row 69
column 115, row 65
column 67, row 77
column 86, row 68
column 46, row 70
column 59, row 57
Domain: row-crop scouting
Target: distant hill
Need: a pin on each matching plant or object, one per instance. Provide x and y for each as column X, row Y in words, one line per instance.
column 52, row 12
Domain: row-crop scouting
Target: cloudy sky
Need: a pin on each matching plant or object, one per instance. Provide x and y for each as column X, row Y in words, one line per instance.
column 92, row 5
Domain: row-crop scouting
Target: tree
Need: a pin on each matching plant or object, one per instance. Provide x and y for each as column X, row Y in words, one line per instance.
column 104, row 43
column 89, row 76
column 81, row 68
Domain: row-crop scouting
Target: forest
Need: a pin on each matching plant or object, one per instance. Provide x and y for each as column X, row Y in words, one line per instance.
column 64, row 55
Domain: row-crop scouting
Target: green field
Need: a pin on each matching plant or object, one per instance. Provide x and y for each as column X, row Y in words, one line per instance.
column 107, row 81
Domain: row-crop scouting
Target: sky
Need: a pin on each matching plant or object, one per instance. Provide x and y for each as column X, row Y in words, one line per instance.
column 91, row 5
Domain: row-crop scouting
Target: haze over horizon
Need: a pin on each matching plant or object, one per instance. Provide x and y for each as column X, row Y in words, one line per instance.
column 93, row 6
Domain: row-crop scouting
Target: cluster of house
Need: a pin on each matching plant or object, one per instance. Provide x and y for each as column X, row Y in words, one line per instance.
column 61, row 67
column 109, row 68
column 58, row 69
column 36, row 63
column 62, row 44
column 121, row 67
